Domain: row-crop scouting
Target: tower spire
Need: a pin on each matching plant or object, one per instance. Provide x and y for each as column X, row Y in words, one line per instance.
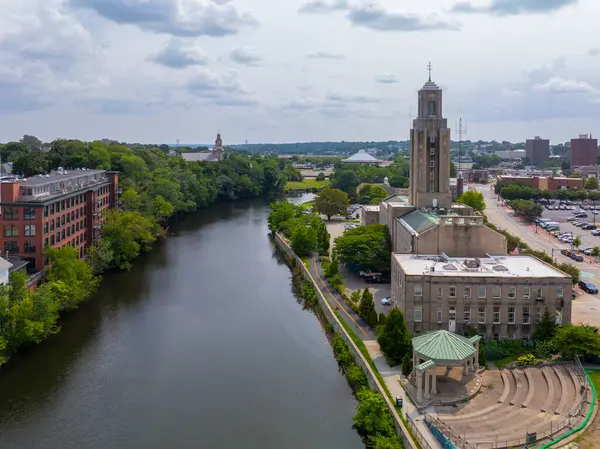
column 429, row 69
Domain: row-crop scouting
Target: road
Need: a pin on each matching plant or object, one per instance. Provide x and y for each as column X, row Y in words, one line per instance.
column 586, row 308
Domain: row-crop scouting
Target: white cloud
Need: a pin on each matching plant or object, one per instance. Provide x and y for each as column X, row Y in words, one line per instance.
column 325, row 55
column 178, row 54
column 559, row 85
column 386, row 78
column 245, row 56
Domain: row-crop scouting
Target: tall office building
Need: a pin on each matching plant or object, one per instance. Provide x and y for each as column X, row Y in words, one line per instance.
column 584, row 151
column 429, row 184
column 537, row 150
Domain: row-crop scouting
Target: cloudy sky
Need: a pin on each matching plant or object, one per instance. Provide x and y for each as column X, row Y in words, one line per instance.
column 291, row 70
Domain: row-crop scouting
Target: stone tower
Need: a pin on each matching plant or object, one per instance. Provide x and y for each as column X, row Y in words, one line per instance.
column 218, row 149
column 429, row 184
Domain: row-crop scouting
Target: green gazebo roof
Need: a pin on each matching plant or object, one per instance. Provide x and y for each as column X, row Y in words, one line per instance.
column 443, row 346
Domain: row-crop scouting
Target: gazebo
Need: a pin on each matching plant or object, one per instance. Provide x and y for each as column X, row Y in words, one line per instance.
column 445, row 349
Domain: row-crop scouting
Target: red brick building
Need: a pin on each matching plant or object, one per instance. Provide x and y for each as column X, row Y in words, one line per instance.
column 584, row 151
column 543, row 183
column 57, row 209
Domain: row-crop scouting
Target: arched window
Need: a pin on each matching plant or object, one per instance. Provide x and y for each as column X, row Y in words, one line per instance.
column 432, row 108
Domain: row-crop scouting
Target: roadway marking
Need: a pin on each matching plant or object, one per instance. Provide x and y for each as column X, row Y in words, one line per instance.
column 334, row 298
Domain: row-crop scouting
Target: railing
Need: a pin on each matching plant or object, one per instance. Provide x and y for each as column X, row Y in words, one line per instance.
column 35, row 278
column 417, row 433
column 547, row 432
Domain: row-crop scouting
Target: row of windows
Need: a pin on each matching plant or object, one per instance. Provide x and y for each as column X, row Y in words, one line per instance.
column 481, row 317
column 12, row 213
column 496, row 292
column 81, row 224
column 58, row 206
column 13, row 247
column 54, row 239
column 13, row 230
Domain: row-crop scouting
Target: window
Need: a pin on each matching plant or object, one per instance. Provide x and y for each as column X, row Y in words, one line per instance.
column 431, row 188
column 46, row 228
column 52, row 240
column 439, row 315
column 418, row 290
column 62, row 220
column 51, row 225
column 29, row 230
column 511, row 315
column 540, row 293
column 526, row 292
column 452, row 292
column 497, row 291
column 58, row 223
column 29, row 246
column 496, row 336
column 440, row 292
column 11, row 213
column 11, row 246
column 526, row 337
column 512, row 292
column 46, row 242
column 11, row 231
column 418, row 314
column 431, row 164
column 58, row 237
column 72, row 215
column 68, row 218
column 526, row 317
column 52, row 209
column 481, row 291
column 29, row 213
column 481, row 315
column 496, row 315
column 452, row 314
column 58, row 207
column 62, row 235
column 77, row 240
column 432, row 108
column 46, row 211
column 466, row 292
column 68, row 232
column 539, row 315
column 432, row 151
column 467, row 314
column 559, row 293
column 432, row 176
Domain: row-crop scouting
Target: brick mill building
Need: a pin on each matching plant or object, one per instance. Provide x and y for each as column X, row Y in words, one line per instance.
column 64, row 207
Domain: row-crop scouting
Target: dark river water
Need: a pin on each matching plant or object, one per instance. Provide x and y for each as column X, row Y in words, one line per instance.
column 201, row 345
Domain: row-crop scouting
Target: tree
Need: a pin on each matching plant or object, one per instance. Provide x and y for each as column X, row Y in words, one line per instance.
column 323, row 239
column 281, row 212
column 577, row 340
column 406, row 364
column 393, row 337
column 577, row 242
column 367, row 308
column 304, row 241
column 527, row 209
column 571, row 270
column 321, row 176
column 30, row 164
column 473, row 199
column 370, row 194
column 331, row 201
column 452, row 170
column 596, row 251
column 32, row 142
column 372, row 417
column 591, row 184
column 100, row 256
column 369, row 246
column 546, row 328
column 386, row 443
column 345, row 180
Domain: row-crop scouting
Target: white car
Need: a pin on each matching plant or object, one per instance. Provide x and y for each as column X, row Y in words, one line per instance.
column 386, row 302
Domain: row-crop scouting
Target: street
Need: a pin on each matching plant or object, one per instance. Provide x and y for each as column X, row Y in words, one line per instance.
column 586, row 308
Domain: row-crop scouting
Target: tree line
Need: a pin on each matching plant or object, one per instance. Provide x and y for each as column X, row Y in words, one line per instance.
column 509, row 190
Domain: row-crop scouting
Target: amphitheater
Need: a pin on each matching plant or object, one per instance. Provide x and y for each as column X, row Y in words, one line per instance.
column 545, row 401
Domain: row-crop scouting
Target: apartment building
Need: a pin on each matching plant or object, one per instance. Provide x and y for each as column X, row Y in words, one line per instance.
column 537, row 150
column 503, row 297
column 64, row 207
column 584, row 151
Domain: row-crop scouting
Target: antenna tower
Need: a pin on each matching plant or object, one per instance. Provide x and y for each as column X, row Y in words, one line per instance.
column 462, row 130
column 177, row 142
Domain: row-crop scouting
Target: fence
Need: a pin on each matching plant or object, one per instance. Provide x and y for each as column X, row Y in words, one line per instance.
column 417, row 433
column 547, row 432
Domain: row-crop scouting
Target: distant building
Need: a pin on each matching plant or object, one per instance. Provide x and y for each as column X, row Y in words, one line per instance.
column 584, row 151
column 501, row 297
column 537, row 150
column 216, row 155
column 5, row 267
column 543, row 183
column 57, row 209
column 588, row 171
column 511, row 154
column 362, row 157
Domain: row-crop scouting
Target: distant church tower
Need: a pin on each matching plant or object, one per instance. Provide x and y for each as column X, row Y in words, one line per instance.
column 429, row 184
column 218, row 149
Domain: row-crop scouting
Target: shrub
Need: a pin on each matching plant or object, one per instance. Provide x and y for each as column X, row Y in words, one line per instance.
column 526, row 360
column 356, row 377
column 406, row 364
column 544, row 349
column 381, row 320
column 481, row 355
column 335, row 281
column 355, row 296
column 495, row 351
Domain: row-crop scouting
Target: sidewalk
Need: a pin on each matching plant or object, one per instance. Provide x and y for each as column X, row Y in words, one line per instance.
column 391, row 377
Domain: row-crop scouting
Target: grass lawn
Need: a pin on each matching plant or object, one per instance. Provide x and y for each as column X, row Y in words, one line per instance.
column 307, row 205
column 589, row 439
column 306, row 260
column 306, row 184
column 595, row 377
column 501, row 363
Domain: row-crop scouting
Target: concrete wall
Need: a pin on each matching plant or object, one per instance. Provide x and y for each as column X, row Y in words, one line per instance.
column 341, row 331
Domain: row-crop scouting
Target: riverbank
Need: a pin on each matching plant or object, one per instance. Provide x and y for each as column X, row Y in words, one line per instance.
column 352, row 343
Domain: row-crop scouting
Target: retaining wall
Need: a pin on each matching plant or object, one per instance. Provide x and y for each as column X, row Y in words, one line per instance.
column 360, row 360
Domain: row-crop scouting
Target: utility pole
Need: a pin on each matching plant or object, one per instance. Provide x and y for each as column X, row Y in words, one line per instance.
column 462, row 130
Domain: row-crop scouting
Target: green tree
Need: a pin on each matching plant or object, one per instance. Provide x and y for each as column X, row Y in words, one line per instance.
column 473, row 199
column 577, row 242
column 367, row 308
column 406, row 364
column 393, row 337
column 321, row 176
column 100, row 256
column 331, row 201
column 546, row 328
column 369, row 246
column 32, row 142
column 577, row 340
column 30, row 164
column 373, row 417
column 452, row 170
column 380, row 442
column 304, row 241
column 571, row 270
column 527, row 209
column 323, row 239
column 281, row 212
column 591, row 184
column 332, row 269
column 345, row 180
column 596, row 251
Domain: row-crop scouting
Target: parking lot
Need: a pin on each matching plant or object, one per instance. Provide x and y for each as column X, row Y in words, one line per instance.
column 560, row 216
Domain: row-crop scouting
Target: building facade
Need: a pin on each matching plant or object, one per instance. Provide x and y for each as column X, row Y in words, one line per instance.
column 503, row 297
column 57, row 209
column 584, row 151
column 544, row 183
column 429, row 184
column 537, row 150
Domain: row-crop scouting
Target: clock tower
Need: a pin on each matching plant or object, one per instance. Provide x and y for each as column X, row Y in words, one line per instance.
column 429, row 184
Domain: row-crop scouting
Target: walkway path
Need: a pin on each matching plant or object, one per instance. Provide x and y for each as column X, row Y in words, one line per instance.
column 391, row 376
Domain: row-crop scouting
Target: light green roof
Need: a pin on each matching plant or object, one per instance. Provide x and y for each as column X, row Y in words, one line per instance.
column 420, row 221
column 443, row 346
column 425, row 365
column 475, row 338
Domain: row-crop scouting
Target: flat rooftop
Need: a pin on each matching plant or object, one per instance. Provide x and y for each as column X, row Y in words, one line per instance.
column 54, row 176
column 493, row 266
column 371, row 208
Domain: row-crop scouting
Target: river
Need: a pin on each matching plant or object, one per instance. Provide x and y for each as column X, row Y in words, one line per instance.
column 201, row 345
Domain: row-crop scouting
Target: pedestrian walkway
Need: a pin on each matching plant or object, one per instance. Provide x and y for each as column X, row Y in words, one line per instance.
column 391, row 377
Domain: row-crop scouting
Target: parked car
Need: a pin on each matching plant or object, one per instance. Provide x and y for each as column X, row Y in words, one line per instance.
column 588, row 287
column 596, row 232
column 576, row 257
column 588, row 226
column 377, row 280
column 587, row 251
column 386, row 301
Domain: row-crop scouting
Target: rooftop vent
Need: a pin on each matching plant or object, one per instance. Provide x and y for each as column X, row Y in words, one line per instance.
column 450, row 267
column 472, row 263
column 499, row 268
